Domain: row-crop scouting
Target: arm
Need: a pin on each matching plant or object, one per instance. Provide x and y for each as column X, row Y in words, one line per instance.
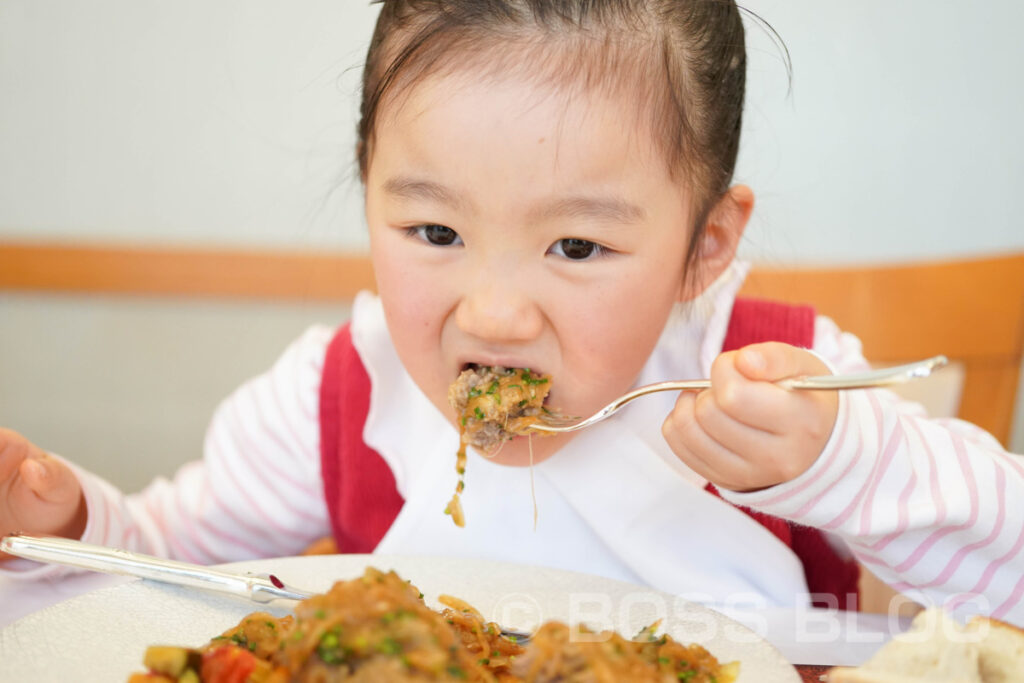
column 935, row 507
column 256, row 493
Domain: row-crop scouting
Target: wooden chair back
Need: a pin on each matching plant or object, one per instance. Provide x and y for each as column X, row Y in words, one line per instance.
column 972, row 311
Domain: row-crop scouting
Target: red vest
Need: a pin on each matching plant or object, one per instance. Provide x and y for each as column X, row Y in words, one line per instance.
column 360, row 489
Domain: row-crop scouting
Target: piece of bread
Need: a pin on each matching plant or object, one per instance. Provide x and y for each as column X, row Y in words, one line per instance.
column 936, row 649
column 1000, row 650
column 848, row 675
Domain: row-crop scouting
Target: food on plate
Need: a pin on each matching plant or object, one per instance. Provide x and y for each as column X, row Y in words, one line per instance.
column 377, row 628
column 493, row 404
column 937, row 649
column 372, row 628
column 562, row 653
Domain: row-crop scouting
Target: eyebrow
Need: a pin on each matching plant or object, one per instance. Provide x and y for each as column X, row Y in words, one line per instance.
column 414, row 188
column 605, row 209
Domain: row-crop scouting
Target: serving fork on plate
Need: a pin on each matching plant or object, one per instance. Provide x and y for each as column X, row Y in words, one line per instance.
column 555, row 424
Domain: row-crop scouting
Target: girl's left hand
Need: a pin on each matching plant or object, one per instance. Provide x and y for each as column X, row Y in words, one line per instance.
column 745, row 433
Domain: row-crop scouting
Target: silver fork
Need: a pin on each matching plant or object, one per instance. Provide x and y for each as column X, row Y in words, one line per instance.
column 556, row 424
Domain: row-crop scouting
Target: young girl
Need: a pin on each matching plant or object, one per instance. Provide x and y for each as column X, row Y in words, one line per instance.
column 548, row 186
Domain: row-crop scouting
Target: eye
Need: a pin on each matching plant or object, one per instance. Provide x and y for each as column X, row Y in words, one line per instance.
column 438, row 235
column 576, row 249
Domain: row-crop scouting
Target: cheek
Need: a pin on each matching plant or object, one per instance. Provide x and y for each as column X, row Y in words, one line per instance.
column 415, row 308
column 414, row 305
column 612, row 342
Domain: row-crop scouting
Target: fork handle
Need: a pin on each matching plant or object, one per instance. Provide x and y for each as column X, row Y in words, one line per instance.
column 116, row 561
column 881, row 377
column 897, row 374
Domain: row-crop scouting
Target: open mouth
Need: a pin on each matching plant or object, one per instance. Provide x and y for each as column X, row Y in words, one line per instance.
column 481, row 367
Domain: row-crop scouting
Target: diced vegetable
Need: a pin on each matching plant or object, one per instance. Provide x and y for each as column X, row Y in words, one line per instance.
column 150, row 678
column 227, row 664
column 170, row 661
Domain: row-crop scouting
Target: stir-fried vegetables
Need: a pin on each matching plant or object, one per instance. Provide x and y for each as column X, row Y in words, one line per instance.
column 378, row 628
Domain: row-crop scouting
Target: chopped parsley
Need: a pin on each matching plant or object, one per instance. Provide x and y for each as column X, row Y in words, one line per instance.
column 330, row 650
column 389, row 646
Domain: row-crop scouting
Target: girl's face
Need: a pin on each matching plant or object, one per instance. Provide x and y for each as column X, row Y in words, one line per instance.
column 516, row 225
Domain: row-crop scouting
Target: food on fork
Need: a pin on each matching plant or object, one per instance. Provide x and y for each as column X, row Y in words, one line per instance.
column 377, row 628
column 494, row 404
column 939, row 650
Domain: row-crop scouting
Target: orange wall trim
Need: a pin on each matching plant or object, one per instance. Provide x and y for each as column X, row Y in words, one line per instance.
column 327, row 276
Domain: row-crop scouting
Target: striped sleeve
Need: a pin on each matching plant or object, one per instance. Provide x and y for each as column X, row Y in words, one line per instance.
column 257, row 492
column 935, row 507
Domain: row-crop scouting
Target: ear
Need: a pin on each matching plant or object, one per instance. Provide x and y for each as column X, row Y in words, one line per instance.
column 722, row 232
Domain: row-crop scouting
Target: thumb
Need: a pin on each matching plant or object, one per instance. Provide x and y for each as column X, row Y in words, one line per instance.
column 772, row 361
column 50, row 479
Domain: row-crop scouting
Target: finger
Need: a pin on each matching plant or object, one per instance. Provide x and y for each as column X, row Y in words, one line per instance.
column 49, row 479
column 772, row 361
column 767, row 458
column 44, row 498
column 810, row 413
column 14, row 448
column 760, row 402
column 715, row 414
column 754, row 403
column 693, row 446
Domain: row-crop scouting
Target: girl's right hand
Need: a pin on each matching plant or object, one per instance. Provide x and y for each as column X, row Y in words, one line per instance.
column 39, row 494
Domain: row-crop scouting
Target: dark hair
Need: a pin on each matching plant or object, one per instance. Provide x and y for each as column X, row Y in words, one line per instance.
column 689, row 54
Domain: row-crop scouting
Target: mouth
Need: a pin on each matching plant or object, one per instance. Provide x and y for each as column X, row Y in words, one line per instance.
column 499, row 365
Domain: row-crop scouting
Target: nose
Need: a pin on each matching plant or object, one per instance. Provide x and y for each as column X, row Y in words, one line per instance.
column 499, row 310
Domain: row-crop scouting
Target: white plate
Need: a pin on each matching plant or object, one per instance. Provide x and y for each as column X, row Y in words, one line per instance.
column 102, row 635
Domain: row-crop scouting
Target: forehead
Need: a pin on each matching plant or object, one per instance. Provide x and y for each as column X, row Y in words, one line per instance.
column 625, row 70
column 561, row 127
